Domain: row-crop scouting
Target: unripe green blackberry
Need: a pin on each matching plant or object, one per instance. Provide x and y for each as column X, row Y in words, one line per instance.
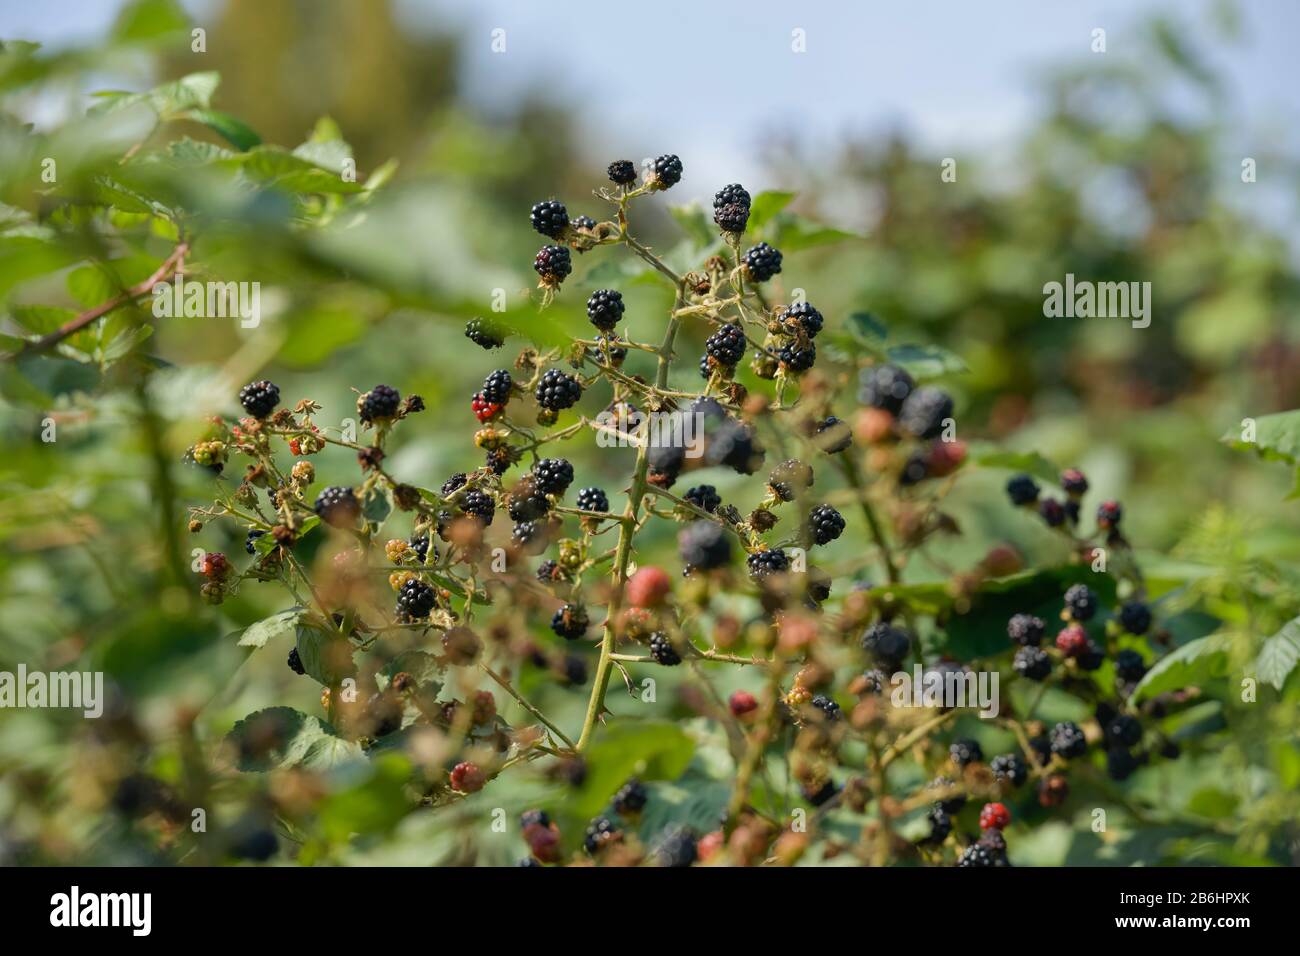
column 550, row 218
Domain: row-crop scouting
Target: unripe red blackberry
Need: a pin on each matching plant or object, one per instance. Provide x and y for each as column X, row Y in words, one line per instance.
column 762, row 262
column 553, row 264
column 885, row 387
column 381, row 402
column 742, row 702
column 1072, row 641
column 338, row 506
column 667, row 172
column 467, row 777
column 605, row 308
column 1052, row 512
column 994, row 816
column 259, row 398
column 550, row 218
column 622, row 172
column 557, row 391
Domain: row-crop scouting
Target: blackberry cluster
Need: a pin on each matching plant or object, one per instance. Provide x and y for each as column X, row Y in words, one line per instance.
column 726, row 346
column 1010, row 769
column 630, row 798
column 667, row 171
column 415, row 600
column 762, row 564
column 1026, row 630
column 731, row 208
column 662, row 650
column 593, row 499
column 496, row 387
column 553, row 264
column 887, row 644
column 924, row 412
column 338, row 506
column 1068, row 741
column 1081, row 602
column 553, row 476
column 622, row 172
column 527, row 501
column 485, row 333
column 259, row 398
column 801, row 317
column 965, row 751
column 1135, row 617
column 790, row 478
column 381, row 402
column 704, row 545
column 557, row 391
column 478, row 504
column 570, row 622
column 833, row 436
column 762, row 262
column 1032, row 663
column 825, row 523
column 550, row 218
column 885, row 387
column 605, row 308
column 704, row 497
column 796, row 357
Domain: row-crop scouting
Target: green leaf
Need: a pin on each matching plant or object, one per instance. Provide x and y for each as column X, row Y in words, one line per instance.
column 694, row 222
column 1277, row 437
column 1029, row 462
column 234, row 131
column 1193, row 663
column 793, row 233
column 146, row 20
column 868, row 330
column 375, row 804
column 1212, row 802
column 326, row 656
column 277, row 625
column 277, row 737
column 376, row 506
column 283, row 170
column 925, row 361
column 765, row 206
column 327, row 752
column 650, row 749
column 1278, row 657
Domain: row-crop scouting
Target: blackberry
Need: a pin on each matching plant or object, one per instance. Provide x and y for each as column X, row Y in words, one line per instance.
column 1074, row 483
column 295, row 662
column 570, row 622
column 1042, row 748
column 1026, row 630
column 338, row 506
column 485, row 333
column 885, row 387
column 415, row 600
column 593, row 499
column 574, row 670
column 1052, row 512
column 940, row 824
column 1022, row 490
column 818, row 585
column 558, row 391
column 548, row 572
column 479, row 504
column 733, row 217
column 886, row 643
column 1120, row 763
column 499, row 459
column 662, row 650
column 915, row 470
column 380, row 402
column 821, row 795
column 1072, row 641
column 1032, row 663
column 789, row 478
column 762, row 262
column 419, row 543
column 1068, row 740
column 729, row 195
column 1135, row 617
column 951, row 805
column 454, row 483
column 1129, row 666
column 528, row 861
column 1072, row 512
column 253, row 535
column 704, row 497
column 735, row 445
column 925, row 411
column 833, row 436
column 802, row 315
column 604, row 309
column 1081, row 602
column 1092, row 657
column 622, row 171
column 825, row 523
column 761, row 564
column 826, row 706
column 600, row 831
column 1009, row 768
column 1109, row 514
column 496, row 387
column 550, row 218
column 552, row 263
column 631, row 798
column 796, row 357
column 259, row 398
column 584, row 222
column 527, row 503
column 994, row 816
column 965, row 751
column 1123, row 730
column 553, row 476
column 705, row 369
column 872, row 682
column 676, row 848
column 667, row 171
column 726, row 345
column 980, row 855
column 530, row 536
column 704, row 545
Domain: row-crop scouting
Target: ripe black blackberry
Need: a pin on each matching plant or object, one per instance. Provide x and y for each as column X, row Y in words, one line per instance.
column 1009, row 769
column 415, row 600
column 1123, row 730
column 949, row 805
column 796, row 357
column 733, row 217
column 1135, row 616
column 253, row 535
column 915, row 470
column 676, row 848
column 259, row 398
column 1026, row 630
column 527, row 503
column 704, row 545
column 1032, row 663
column 570, row 622
column 965, row 751
column 762, row 262
column 553, row 476
column 1022, row 490
column 833, row 436
column 557, row 391
column 478, row 504
column 593, row 499
column 419, row 543
column 530, row 537
column 499, row 459
column 924, row 412
column 454, row 483
column 381, row 402
column 886, row 643
column 485, row 333
column 550, row 218
column 726, row 345
column 762, row 564
column 600, row 831
column 496, row 387
column 826, row 706
column 1068, row 740
column 662, row 650
column 980, row 855
column 825, row 523
column 583, row 222
column 735, row 193
column 705, row 368
column 1121, row 763
column 667, row 171
column 789, row 478
column 338, row 506
column 630, row 798
column 604, row 308
column 885, row 387
column 940, row 824
column 574, row 670
column 1129, row 666
column 295, row 662
column 622, row 172
column 735, row 444
column 704, row 497
column 818, row 796
column 553, row 264
column 549, row 572
column 1080, row 602
column 1092, row 657
column 802, row 315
